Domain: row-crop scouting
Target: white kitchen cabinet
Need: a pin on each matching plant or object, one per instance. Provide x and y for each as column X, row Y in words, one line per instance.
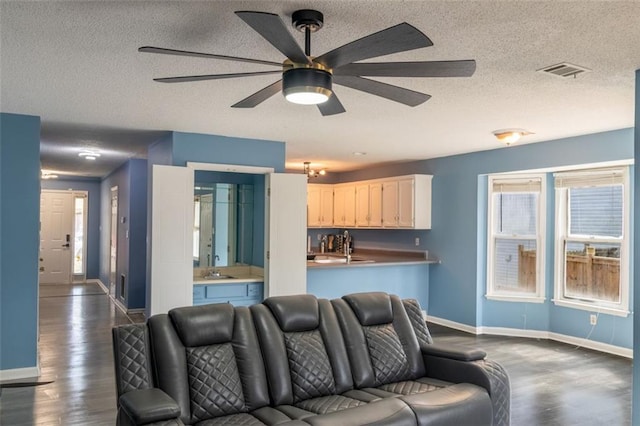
column 406, row 202
column 344, row 205
column 369, row 204
column 319, row 205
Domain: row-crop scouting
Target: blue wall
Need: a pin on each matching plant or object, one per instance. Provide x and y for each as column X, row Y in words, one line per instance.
column 227, row 150
column 131, row 180
column 457, row 286
column 19, row 239
column 407, row 281
column 92, row 186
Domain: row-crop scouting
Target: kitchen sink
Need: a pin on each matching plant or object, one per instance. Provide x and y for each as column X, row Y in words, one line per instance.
column 337, row 259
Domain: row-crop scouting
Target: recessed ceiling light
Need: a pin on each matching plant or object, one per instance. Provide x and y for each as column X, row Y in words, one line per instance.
column 48, row 175
column 359, row 153
column 89, row 155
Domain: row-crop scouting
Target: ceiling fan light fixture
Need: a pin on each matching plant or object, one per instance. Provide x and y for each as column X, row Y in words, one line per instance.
column 306, row 86
column 510, row 136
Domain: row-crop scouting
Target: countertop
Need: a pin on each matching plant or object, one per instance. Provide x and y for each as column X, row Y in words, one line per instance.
column 234, row 280
column 375, row 257
column 240, row 274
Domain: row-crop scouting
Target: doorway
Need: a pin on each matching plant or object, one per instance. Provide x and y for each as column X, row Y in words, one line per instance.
column 63, row 236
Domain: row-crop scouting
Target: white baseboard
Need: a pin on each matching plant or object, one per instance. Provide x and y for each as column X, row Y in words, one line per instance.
column 116, row 301
column 19, row 373
column 102, row 286
column 452, row 324
column 535, row 334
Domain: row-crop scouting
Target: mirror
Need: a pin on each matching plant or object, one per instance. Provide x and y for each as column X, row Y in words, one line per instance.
column 223, row 224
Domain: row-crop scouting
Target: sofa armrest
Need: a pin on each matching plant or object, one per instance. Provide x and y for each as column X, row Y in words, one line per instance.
column 145, row 406
column 481, row 372
column 448, row 351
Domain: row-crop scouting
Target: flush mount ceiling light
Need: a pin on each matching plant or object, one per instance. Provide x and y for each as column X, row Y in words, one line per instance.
column 509, row 136
column 89, row 155
column 311, row 172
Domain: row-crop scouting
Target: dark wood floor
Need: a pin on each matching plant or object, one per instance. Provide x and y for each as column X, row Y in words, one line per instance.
column 552, row 383
column 555, row 384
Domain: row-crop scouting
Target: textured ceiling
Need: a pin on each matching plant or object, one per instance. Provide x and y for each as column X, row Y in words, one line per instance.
column 76, row 65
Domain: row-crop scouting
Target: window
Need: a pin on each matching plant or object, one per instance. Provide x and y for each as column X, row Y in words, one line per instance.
column 515, row 253
column 79, row 202
column 592, row 238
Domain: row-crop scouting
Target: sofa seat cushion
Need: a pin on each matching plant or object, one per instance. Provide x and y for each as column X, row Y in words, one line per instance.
column 384, row 412
column 242, row 419
column 329, row 404
column 459, row 404
column 407, row 387
column 265, row 416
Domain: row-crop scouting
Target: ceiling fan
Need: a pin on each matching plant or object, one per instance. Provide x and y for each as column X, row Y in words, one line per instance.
column 309, row 80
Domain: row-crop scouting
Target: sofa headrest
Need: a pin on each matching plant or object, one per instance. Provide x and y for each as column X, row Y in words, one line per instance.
column 295, row 313
column 203, row 325
column 371, row 308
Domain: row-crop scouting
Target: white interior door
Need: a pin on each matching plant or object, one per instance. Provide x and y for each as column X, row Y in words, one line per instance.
column 172, row 213
column 56, row 232
column 286, row 234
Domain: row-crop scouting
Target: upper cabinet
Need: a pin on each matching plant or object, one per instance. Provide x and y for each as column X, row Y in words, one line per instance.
column 406, row 202
column 319, row 205
column 344, row 205
column 368, row 204
column 396, row 202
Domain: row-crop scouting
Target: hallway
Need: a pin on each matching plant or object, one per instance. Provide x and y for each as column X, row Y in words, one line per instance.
column 75, row 353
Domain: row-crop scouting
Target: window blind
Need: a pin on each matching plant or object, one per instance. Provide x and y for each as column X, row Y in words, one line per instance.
column 517, row 185
column 585, row 178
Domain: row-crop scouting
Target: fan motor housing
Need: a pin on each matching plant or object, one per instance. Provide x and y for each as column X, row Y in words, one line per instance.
column 310, row 80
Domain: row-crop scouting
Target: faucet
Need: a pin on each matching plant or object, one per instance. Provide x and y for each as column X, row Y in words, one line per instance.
column 345, row 245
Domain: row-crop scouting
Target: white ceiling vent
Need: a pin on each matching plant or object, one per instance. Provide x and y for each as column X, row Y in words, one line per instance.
column 564, row 69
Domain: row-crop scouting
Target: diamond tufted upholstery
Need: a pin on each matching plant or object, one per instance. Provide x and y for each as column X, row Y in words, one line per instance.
column 306, row 359
column 499, row 388
column 131, row 349
column 387, row 359
column 297, row 360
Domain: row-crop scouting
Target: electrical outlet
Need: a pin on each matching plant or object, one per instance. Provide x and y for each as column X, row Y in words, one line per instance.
column 319, row 237
column 593, row 319
column 424, row 314
column 417, row 241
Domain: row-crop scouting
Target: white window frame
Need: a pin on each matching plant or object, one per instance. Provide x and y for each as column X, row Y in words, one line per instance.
column 561, row 230
column 492, row 293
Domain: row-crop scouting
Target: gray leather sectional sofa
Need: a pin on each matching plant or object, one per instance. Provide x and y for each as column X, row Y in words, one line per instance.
column 364, row 359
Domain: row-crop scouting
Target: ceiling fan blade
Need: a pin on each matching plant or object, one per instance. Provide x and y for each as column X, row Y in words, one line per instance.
column 333, row 106
column 399, row 38
column 260, row 96
column 388, row 91
column 271, row 27
column 151, row 49
column 464, row 68
column 188, row 78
